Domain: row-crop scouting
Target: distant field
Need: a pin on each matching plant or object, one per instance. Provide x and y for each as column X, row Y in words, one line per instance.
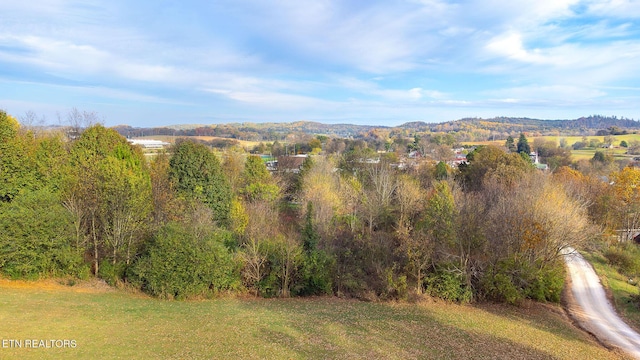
column 114, row 324
column 617, row 152
column 569, row 139
column 172, row 139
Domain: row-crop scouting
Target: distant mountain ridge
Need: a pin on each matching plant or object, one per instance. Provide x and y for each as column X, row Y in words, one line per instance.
column 498, row 124
column 594, row 122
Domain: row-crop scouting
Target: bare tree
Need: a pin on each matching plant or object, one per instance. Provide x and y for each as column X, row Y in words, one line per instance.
column 415, row 245
column 262, row 226
column 31, row 122
column 320, row 186
column 78, row 120
column 289, row 254
column 380, row 187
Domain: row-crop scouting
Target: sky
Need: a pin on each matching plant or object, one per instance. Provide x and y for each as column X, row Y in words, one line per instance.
column 154, row 63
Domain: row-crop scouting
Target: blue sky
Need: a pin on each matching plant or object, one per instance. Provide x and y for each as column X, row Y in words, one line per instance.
column 148, row 63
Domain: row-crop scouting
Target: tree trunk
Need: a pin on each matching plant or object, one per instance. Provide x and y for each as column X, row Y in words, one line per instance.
column 95, row 246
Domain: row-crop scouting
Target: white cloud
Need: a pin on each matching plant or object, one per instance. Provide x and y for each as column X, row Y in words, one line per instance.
column 617, row 8
column 510, row 45
column 371, row 88
column 287, row 55
column 546, row 93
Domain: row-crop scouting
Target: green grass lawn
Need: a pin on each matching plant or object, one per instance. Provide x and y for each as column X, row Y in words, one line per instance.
column 617, row 153
column 115, row 324
column 620, row 288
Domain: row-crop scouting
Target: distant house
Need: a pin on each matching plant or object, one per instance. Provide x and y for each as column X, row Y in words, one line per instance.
column 535, row 160
column 148, row 143
column 272, row 165
column 414, row 154
column 460, row 158
column 534, row 157
column 290, row 163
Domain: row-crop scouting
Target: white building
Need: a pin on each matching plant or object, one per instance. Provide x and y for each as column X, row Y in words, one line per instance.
column 148, row 143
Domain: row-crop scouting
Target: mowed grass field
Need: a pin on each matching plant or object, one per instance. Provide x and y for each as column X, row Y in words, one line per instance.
column 113, row 324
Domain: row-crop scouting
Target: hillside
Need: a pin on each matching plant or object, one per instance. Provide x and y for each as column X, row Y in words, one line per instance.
column 112, row 324
column 475, row 128
column 508, row 124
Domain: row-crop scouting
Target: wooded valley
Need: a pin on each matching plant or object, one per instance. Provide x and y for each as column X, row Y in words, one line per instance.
column 356, row 219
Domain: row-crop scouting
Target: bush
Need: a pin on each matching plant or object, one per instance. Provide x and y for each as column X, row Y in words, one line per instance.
column 111, row 273
column 448, row 285
column 546, row 284
column 176, row 264
column 579, row 145
column 625, row 259
column 512, row 281
column 397, row 287
column 36, row 238
column 316, row 274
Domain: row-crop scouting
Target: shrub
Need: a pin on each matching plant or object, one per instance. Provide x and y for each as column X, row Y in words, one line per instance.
column 111, row 273
column 513, row 280
column 448, row 285
column 625, row 259
column 316, row 274
column 546, row 284
column 36, row 238
column 397, row 287
column 176, row 264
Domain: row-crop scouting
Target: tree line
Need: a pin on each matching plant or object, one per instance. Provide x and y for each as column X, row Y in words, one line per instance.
column 196, row 222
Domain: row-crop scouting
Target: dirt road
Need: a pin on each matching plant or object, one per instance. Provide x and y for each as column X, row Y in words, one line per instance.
column 593, row 309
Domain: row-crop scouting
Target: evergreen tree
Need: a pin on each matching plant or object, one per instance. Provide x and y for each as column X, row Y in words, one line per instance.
column 310, row 236
column 510, row 144
column 523, row 145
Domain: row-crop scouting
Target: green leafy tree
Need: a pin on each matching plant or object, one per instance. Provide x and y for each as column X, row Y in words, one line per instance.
column 492, row 163
column 52, row 162
column 177, row 264
column 600, row 157
column 258, row 183
column 17, row 168
column 126, row 206
column 441, row 171
column 439, row 217
column 108, row 192
column 8, row 127
column 166, row 205
column 37, row 238
column 197, row 174
column 238, row 218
